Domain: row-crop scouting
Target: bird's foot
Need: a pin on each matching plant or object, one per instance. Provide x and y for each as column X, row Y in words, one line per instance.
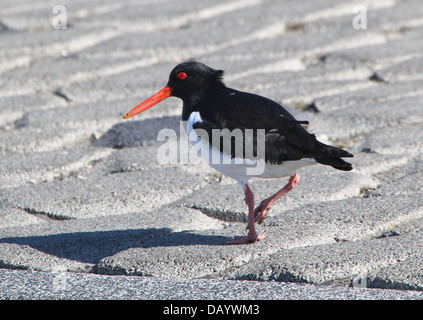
column 261, row 212
column 246, row 239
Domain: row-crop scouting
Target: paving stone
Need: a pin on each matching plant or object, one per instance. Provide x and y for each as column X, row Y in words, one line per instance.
column 363, row 120
column 22, row 284
column 82, row 190
column 330, row 264
column 48, row 166
column 79, row 244
column 403, row 276
column 113, row 194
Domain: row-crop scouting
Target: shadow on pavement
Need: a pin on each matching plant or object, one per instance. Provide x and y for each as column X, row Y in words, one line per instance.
column 91, row 247
column 137, row 133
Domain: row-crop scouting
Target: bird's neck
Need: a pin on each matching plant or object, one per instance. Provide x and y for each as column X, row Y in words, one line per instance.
column 186, row 111
column 194, row 102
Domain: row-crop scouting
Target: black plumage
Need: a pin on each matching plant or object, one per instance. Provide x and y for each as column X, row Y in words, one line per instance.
column 221, row 107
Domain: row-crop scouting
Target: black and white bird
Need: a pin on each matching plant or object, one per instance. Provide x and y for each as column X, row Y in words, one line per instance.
column 273, row 143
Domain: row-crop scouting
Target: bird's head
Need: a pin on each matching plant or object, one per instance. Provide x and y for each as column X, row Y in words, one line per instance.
column 189, row 81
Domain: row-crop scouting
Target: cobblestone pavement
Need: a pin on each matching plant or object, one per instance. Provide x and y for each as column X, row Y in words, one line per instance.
column 82, row 191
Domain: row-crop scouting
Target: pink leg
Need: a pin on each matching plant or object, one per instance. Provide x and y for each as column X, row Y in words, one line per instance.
column 252, row 234
column 260, row 213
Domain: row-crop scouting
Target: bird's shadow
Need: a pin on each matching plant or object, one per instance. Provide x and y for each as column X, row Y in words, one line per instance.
column 137, row 133
column 91, row 247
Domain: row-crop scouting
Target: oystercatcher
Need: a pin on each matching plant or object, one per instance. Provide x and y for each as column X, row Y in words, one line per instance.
column 210, row 108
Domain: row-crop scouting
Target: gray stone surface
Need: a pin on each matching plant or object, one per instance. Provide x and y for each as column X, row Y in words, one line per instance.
column 84, row 198
column 41, row 285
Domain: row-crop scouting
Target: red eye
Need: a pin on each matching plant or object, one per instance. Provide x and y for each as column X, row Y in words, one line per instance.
column 182, row 75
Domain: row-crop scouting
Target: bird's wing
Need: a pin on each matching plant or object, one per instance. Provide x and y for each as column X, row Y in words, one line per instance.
column 235, row 109
column 285, row 137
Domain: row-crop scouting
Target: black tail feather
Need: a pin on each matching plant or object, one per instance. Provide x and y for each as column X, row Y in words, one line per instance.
column 337, row 163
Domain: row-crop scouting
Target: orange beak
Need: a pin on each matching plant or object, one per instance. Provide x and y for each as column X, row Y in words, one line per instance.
column 166, row 92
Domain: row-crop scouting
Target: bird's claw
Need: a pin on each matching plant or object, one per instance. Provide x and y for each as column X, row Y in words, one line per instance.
column 261, row 214
column 246, row 239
